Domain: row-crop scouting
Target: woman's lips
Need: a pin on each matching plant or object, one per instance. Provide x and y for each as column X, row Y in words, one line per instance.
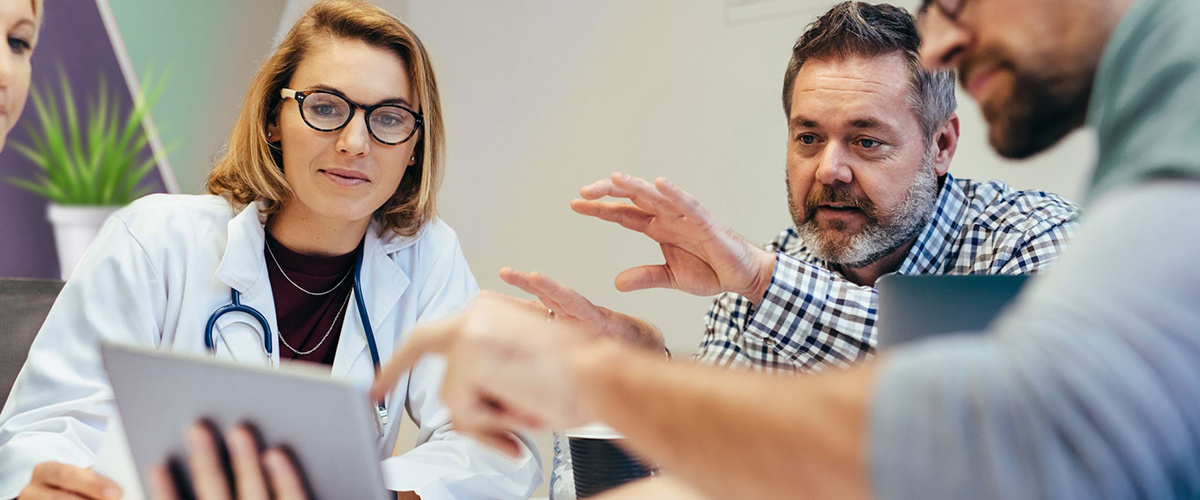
column 344, row 177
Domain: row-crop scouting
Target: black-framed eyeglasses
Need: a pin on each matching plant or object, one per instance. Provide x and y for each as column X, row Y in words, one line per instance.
column 950, row 8
column 328, row 111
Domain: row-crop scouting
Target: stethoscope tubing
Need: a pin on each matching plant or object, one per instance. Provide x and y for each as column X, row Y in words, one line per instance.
column 235, row 306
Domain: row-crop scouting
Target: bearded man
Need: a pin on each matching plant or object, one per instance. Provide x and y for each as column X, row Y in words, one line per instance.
column 871, row 135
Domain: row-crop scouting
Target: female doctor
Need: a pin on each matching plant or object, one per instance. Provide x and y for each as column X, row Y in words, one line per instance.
column 328, row 186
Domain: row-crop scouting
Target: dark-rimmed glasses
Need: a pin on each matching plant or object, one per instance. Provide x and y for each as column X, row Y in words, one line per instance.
column 328, row 111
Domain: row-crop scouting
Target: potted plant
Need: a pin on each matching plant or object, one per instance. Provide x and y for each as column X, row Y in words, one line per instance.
column 90, row 167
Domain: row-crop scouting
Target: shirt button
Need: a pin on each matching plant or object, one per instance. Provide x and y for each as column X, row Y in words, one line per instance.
column 770, row 341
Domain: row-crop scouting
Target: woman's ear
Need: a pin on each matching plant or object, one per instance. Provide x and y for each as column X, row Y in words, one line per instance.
column 273, row 131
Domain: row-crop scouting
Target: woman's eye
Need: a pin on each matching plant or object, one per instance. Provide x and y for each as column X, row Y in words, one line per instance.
column 323, row 109
column 388, row 120
column 18, row 45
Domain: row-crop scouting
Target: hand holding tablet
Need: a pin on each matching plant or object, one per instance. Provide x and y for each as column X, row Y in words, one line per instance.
column 325, row 425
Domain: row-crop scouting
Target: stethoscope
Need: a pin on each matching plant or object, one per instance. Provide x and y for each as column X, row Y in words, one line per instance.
column 235, row 306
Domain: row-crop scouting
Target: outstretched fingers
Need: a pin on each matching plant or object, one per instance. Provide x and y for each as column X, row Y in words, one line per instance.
column 645, row 195
column 628, row 216
column 683, row 202
column 522, row 280
column 568, row 300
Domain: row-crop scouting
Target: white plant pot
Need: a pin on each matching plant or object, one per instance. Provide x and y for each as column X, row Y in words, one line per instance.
column 75, row 227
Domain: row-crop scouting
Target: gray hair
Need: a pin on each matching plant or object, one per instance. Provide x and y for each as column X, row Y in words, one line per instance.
column 862, row 29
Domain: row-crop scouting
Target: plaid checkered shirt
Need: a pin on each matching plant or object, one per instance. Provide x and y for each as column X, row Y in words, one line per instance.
column 812, row 317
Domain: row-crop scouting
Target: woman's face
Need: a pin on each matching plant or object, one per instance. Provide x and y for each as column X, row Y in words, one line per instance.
column 345, row 175
column 20, row 27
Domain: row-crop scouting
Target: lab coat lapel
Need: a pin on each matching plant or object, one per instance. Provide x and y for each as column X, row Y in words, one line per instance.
column 243, row 268
column 383, row 283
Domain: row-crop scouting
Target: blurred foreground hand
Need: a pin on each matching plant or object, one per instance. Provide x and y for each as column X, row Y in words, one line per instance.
column 508, row 369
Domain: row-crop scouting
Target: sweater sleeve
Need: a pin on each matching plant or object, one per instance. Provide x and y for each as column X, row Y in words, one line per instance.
column 1086, row 389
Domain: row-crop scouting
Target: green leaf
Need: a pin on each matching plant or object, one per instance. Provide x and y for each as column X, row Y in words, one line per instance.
column 90, row 159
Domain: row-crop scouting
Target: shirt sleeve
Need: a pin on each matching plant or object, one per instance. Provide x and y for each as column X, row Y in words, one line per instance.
column 809, row 318
column 446, row 464
column 1086, row 389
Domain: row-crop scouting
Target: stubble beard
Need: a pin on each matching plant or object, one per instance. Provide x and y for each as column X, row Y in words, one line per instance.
column 882, row 234
column 1042, row 108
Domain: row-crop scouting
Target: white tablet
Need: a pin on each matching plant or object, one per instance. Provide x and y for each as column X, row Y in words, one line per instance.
column 327, row 424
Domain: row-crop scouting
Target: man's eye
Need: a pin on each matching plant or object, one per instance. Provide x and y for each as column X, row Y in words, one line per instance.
column 868, row 143
column 807, row 139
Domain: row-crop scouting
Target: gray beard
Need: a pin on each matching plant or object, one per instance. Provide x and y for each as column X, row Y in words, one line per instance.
column 883, row 234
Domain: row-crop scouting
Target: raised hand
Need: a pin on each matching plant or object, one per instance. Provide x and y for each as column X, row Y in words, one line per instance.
column 571, row 307
column 703, row 257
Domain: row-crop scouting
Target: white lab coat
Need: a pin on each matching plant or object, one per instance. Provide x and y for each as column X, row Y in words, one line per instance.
column 161, row 266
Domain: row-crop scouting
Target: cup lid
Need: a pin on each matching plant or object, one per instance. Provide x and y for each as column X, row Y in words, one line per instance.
column 594, row 430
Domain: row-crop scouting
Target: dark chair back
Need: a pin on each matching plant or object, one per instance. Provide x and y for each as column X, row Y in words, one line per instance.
column 24, row 304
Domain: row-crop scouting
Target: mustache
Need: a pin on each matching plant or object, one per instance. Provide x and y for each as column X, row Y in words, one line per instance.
column 823, row 195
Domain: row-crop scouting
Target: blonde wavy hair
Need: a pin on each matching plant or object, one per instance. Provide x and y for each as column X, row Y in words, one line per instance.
column 250, row 169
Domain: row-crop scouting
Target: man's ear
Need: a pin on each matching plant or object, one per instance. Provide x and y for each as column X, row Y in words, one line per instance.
column 945, row 140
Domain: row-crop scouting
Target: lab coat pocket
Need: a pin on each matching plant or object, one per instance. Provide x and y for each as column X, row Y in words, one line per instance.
column 241, row 340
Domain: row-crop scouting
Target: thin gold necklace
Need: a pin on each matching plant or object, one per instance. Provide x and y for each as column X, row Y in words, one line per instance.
column 327, row 332
column 298, row 287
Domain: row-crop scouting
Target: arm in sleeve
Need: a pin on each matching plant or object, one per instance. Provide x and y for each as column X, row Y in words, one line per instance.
column 446, row 464
column 809, row 318
column 1087, row 389
column 60, row 404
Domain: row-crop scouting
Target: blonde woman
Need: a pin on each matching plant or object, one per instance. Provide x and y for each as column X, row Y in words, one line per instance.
column 321, row 218
column 20, row 20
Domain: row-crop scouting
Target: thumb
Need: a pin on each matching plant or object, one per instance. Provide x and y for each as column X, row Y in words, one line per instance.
column 642, row 277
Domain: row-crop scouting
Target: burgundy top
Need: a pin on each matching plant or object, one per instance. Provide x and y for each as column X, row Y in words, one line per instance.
column 304, row 319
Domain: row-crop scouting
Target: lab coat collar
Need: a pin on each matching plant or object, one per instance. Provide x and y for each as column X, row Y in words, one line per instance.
column 239, row 267
column 242, row 268
column 383, row 283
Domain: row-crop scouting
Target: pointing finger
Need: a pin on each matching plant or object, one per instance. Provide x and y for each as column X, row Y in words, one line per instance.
column 427, row 338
